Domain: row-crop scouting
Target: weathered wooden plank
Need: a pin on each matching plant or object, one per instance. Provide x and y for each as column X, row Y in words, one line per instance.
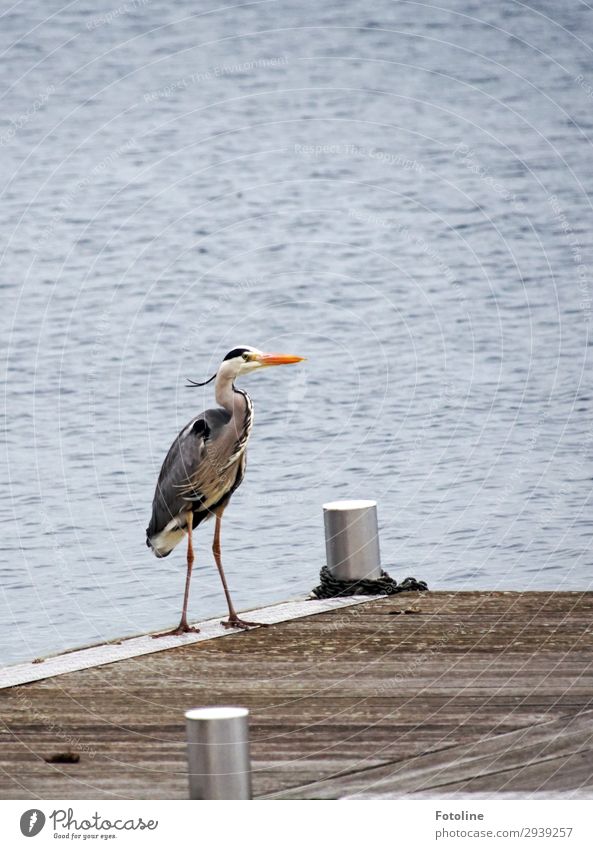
column 333, row 694
column 528, row 758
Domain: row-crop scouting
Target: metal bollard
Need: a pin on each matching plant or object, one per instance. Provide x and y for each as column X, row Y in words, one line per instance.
column 352, row 540
column 218, row 753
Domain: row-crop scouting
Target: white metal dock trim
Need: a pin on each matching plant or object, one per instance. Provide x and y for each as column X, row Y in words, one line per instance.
column 86, row 658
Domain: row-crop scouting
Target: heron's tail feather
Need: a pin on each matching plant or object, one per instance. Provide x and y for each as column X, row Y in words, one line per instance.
column 158, row 552
column 163, row 542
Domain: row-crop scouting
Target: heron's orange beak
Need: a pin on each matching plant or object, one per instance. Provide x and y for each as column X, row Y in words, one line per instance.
column 277, row 359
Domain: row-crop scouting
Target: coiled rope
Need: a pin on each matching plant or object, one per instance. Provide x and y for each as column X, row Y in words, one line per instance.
column 330, row 587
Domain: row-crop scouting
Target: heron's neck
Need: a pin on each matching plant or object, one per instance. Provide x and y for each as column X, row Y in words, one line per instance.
column 233, row 401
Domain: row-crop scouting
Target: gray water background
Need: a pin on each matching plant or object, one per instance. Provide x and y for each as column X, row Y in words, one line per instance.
column 398, row 191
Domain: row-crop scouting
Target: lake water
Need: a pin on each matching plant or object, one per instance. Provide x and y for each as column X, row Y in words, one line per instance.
column 398, row 192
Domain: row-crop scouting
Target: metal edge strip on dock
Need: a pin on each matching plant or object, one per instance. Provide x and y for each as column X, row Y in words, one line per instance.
column 86, row 658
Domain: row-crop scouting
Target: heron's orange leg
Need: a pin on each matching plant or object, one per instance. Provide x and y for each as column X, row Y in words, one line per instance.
column 233, row 621
column 183, row 627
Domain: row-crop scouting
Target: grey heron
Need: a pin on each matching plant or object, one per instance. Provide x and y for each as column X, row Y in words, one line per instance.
column 204, row 467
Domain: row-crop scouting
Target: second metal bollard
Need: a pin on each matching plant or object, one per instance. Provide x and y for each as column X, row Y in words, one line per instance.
column 218, row 753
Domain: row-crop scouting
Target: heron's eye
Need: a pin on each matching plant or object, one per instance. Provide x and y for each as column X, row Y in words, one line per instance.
column 246, row 357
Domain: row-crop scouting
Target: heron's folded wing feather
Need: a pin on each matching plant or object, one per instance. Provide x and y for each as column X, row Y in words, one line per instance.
column 186, row 469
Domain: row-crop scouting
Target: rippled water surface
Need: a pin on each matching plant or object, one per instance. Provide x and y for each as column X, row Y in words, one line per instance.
column 397, row 191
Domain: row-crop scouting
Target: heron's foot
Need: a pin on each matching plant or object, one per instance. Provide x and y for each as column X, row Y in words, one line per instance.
column 182, row 628
column 236, row 622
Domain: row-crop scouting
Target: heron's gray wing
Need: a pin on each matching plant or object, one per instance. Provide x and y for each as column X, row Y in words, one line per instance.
column 187, row 473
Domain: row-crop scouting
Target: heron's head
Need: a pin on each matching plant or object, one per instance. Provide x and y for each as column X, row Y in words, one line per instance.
column 245, row 359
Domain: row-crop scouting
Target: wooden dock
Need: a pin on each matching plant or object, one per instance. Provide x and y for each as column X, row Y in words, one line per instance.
column 431, row 694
